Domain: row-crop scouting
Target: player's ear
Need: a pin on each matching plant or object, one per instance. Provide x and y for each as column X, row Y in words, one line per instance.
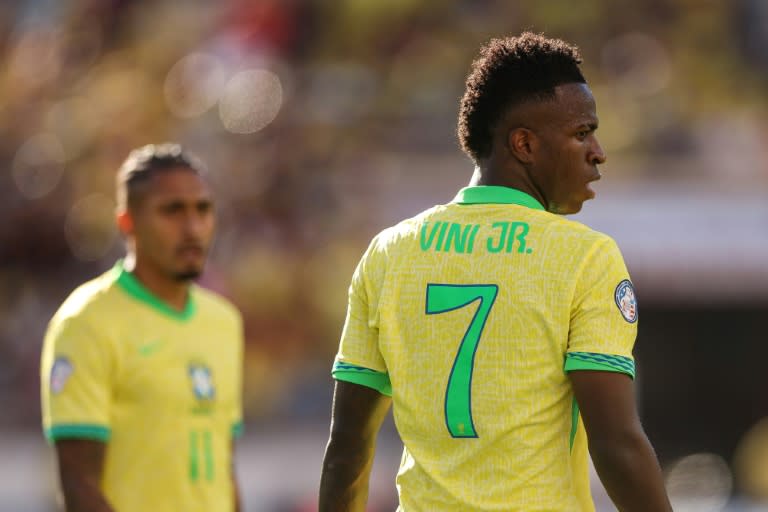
column 125, row 222
column 522, row 143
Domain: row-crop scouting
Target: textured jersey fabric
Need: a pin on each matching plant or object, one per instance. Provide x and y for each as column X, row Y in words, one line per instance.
column 161, row 387
column 470, row 315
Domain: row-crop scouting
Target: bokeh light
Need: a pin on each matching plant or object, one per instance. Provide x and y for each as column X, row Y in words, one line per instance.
column 751, row 462
column 193, row 85
column 700, row 482
column 250, row 101
column 38, row 165
column 36, row 57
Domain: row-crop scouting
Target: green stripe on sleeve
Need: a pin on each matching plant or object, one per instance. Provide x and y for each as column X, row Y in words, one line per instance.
column 574, row 421
column 74, row 431
column 237, row 429
column 599, row 362
column 363, row 376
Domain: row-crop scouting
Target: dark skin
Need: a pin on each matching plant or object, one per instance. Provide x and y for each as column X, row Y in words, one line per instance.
column 358, row 413
column 81, row 462
column 620, row 450
column 80, row 466
column 548, row 150
column 168, row 226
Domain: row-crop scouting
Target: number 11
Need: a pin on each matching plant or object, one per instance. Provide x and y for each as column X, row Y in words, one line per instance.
column 194, row 451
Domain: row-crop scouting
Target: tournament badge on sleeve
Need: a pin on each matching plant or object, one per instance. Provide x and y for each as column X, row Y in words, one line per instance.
column 60, row 372
column 626, row 301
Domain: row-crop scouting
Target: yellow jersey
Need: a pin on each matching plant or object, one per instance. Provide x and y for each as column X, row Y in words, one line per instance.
column 161, row 387
column 470, row 315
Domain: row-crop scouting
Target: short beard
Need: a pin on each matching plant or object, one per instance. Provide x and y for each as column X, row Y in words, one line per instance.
column 186, row 276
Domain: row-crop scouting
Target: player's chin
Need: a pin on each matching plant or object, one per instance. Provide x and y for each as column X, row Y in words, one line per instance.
column 189, row 271
column 577, row 203
column 188, row 274
column 572, row 207
column 587, row 192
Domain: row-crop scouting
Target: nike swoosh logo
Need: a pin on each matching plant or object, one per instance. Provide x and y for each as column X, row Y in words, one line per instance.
column 150, row 348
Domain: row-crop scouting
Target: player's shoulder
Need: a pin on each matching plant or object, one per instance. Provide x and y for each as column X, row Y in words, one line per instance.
column 213, row 303
column 89, row 300
column 406, row 229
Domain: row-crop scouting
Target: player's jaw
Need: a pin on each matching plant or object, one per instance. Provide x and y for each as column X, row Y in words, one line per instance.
column 572, row 194
column 595, row 177
column 579, row 197
column 189, row 260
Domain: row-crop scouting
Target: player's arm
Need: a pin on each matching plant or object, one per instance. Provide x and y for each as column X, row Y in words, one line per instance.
column 81, row 462
column 235, row 485
column 356, row 417
column 76, row 371
column 601, row 368
column 620, row 450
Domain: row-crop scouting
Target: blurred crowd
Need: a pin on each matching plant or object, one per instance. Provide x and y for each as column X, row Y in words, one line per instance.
column 313, row 117
column 320, row 123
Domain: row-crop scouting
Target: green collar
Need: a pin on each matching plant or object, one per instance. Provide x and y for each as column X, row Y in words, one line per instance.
column 491, row 194
column 133, row 287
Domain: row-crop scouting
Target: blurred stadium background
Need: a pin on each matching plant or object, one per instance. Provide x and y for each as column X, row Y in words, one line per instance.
column 324, row 121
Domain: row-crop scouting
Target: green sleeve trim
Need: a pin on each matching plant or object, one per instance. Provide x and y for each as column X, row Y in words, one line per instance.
column 74, row 431
column 363, row 376
column 237, row 429
column 599, row 362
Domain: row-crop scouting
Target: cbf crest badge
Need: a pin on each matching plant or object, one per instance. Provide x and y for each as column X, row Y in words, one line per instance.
column 202, row 381
column 626, row 301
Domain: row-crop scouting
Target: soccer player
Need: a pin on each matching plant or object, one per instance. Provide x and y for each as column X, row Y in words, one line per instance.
column 493, row 325
column 141, row 369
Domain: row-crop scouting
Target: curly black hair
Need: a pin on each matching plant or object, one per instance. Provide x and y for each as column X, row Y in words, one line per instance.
column 510, row 71
column 144, row 162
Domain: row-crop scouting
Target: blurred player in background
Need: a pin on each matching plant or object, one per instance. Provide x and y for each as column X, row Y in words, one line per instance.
column 141, row 369
column 494, row 325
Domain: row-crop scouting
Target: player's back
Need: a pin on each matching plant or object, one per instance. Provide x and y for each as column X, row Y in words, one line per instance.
column 473, row 304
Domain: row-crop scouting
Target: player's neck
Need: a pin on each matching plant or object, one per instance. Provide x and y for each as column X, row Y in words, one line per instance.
column 488, row 175
column 173, row 292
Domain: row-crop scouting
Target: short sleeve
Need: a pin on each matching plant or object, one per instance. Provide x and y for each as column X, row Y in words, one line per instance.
column 359, row 360
column 76, row 387
column 604, row 314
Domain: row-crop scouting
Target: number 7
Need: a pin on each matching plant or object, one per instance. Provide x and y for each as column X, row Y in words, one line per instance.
column 442, row 298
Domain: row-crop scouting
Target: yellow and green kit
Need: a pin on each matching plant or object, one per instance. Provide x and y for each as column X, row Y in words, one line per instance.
column 161, row 387
column 470, row 315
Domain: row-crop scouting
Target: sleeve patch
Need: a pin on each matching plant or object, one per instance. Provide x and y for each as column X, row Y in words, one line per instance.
column 61, row 371
column 363, row 376
column 599, row 362
column 624, row 295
